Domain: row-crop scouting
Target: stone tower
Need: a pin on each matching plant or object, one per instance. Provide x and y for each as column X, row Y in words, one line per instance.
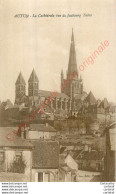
column 20, row 90
column 75, row 88
column 33, row 89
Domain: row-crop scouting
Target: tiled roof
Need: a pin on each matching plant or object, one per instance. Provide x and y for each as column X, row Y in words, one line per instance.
column 33, row 77
column 42, row 127
column 90, row 98
column 48, row 93
column 17, row 142
column 20, row 79
column 65, row 168
column 45, row 155
column 92, row 155
column 112, row 108
column 104, row 104
column 6, row 104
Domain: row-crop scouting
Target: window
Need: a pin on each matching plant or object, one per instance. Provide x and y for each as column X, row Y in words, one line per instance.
column 22, row 87
column 2, row 161
column 98, row 167
column 40, row 177
column 30, row 86
column 18, row 156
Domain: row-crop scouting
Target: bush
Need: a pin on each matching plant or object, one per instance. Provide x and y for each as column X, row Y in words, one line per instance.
column 18, row 166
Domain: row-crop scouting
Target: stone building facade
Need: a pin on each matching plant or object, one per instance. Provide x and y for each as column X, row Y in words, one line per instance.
column 67, row 100
column 75, row 87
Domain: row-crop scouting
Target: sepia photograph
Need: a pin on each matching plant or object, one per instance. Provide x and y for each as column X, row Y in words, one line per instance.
column 57, row 91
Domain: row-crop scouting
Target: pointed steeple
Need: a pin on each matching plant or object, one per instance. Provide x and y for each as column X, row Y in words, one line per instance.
column 62, row 72
column 20, row 79
column 33, row 85
column 72, row 66
column 33, row 77
column 72, row 38
column 20, row 89
column 90, row 98
column 104, row 104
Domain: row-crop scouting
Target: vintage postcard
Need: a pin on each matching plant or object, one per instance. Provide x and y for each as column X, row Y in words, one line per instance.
column 57, row 91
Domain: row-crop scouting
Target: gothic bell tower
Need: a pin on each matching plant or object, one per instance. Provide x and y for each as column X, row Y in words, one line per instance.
column 75, row 86
column 33, row 89
column 20, row 90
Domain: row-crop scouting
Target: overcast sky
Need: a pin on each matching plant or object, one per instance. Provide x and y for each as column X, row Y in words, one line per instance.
column 44, row 43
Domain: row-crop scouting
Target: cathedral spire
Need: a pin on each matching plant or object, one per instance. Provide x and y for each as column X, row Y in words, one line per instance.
column 20, row 89
column 33, row 77
column 72, row 39
column 33, row 85
column 20, row 79
column 72, row 66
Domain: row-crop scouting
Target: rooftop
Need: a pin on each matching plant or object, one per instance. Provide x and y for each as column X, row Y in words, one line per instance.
column 42, row 127
column 45, row 154
column 33, row 77
column 91, row 155
column 20, row 79
column 48, row 93
column 90, row 98
column 17, row 141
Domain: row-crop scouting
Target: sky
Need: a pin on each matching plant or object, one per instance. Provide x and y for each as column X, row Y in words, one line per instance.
column 44, row 43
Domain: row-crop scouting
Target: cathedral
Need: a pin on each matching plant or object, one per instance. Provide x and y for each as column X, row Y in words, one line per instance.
column 69, row 99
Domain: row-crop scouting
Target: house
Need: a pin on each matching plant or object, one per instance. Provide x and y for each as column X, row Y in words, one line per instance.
column 40, row 131
column 110, row 168
column 91, row 160
column 15, row 157
column 45, row 161
column 71, row 162
column 68, row 168
column 66, row 174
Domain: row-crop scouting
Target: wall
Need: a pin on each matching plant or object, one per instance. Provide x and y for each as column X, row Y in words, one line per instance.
column 54, row 175
column 39, row 135
column 68, row 177
column 92, row 165
column 13, row 177
column 27, row 157
column 34, row 135
column 71, row 162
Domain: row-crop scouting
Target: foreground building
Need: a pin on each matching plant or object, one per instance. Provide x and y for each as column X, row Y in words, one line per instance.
column 110, row 160
column 15, row 157
column 45, row 161
column 40, row 131
column 27, row 160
